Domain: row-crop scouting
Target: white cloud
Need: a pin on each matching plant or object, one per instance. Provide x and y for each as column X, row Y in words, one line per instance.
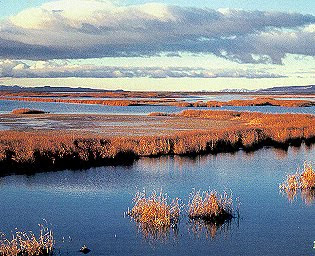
column 92, row 29
column 50, row 69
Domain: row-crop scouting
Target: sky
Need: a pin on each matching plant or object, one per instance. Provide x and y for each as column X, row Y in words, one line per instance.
column 157, row 45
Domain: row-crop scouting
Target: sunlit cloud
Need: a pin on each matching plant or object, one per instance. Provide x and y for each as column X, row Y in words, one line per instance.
column 51, row 69
column 93, row 29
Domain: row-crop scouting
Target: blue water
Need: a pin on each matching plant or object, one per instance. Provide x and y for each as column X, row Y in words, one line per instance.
column 88, row 205
column 66, row 108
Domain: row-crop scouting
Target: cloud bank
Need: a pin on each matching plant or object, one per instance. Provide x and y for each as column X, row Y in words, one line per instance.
column 72, row 29
column 51, row 69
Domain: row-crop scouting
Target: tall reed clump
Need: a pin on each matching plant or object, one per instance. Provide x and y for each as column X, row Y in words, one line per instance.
column 27, row 244
column 304, row 181
column 211, row 206
column 154, row 213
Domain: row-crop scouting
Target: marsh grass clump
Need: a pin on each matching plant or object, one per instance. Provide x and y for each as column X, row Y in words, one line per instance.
column 154, row 214
column 27, row 244
column 307, row 178
column 25, row 111
column 304, row 181
column 211, row 206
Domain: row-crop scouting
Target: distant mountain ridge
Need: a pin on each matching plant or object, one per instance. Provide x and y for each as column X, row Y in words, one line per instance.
column 16, row 88
column 307, row 89
column 290, row 89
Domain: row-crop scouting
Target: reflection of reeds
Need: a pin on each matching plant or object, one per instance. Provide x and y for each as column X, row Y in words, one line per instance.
column 154, row 214
column 304, row 181
column 27, row 244
column 207, row 228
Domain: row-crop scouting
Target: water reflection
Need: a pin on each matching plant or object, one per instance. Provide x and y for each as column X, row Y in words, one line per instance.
column 155, row 235
column 307, row 195
column 208, row 229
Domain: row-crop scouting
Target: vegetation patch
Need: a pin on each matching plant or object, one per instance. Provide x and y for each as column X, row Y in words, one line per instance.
column 300, row 181
column 155, row 214
column 211, row 206
column 27, row 244
column 22, row 111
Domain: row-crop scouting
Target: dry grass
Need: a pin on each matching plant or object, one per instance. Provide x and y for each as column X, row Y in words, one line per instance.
column 210, row 206
column 153, row 98
column 307, row 178
column 304, row 182
column 27, row 244
column 155, row 211
column 155, row 215
column 22, row 111
column 249, row 130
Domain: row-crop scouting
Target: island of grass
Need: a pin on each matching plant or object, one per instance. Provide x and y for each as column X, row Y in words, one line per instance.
column 27, row 111
column 71, row 141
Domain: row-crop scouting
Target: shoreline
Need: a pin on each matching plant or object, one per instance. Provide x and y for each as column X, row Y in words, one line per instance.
column 262, row 100
column 28, row 151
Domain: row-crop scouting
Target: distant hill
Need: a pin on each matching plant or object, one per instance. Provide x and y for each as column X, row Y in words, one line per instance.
column 308, row 89
column 236, row 90
column 16, row 88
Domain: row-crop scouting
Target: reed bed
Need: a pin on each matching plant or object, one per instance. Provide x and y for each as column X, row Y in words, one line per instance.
column 247, row 130
column 210, row 206
column 162, row 100
column 155, row 215
column 303, row 182
column 155, row 211
column 27, row 244
column 260, row 101
column 23, row 111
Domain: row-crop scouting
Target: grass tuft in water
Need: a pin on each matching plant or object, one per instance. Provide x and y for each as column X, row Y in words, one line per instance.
column 211, row 206
column 154, row 213
column 304, row 181
column 27, row 244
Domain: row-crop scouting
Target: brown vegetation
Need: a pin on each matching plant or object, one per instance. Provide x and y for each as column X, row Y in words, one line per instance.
column 249, row 131
column 22, row 111
column 27, row 244
column 210, row 206
column 304, row 181
column 157, row 99
column 260, row 101
column 154, row 214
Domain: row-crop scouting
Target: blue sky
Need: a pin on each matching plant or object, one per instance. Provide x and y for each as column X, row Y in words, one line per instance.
column 150, row 45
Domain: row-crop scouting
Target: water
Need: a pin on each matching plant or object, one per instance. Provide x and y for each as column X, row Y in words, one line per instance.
column 7, row 106
column 88, row 205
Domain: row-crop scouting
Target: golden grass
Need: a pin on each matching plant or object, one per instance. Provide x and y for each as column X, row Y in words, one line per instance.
column 249, row 130
column 155, row 215
column 304, row 182
column 210, row 206
column 155, row 211
column 307, row 178
column 27, row 244
column 21, row 111
column 153, row 98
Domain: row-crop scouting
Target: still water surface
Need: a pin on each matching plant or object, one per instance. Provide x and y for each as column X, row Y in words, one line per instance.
column 88, row 205
column 6, row 106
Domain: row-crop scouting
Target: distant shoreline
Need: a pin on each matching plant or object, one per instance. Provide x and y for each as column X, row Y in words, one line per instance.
column 94, row 99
